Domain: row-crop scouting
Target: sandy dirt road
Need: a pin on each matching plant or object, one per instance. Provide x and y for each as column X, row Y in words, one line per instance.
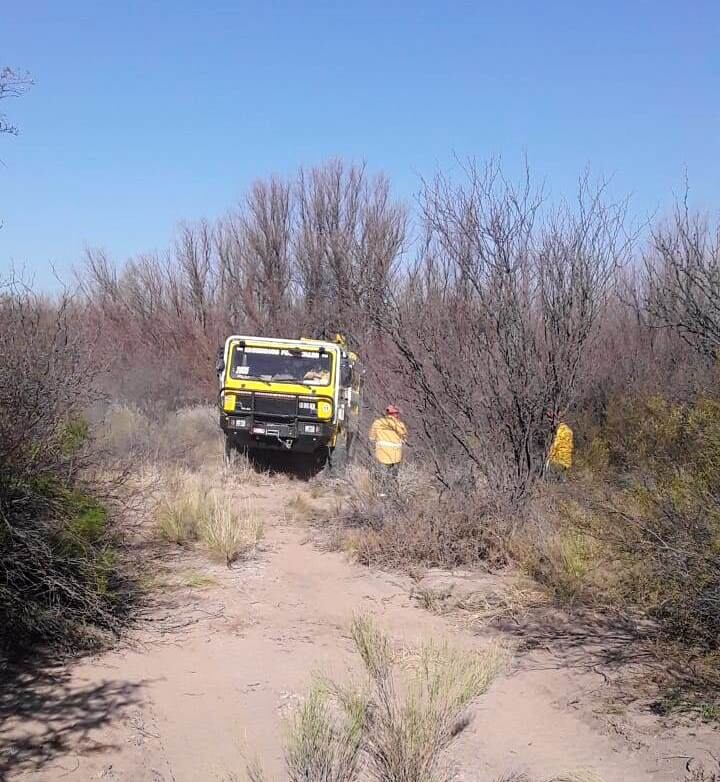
column 206, row 682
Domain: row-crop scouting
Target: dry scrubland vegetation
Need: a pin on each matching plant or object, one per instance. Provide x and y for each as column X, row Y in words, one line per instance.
column 480, row 311
column 397, row 723
column 394, row 725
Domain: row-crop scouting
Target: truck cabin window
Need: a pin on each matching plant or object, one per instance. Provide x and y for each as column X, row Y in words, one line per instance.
column 280, row 365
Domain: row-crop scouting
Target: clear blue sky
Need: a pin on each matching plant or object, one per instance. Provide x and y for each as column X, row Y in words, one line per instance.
column 148, row 113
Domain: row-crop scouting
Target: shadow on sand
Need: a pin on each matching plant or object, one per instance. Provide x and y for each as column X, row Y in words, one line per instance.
column 292, row 464
column 626, row 650
column 47, row 717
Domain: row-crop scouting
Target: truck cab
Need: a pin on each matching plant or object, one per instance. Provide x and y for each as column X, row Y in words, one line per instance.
column 295, row 396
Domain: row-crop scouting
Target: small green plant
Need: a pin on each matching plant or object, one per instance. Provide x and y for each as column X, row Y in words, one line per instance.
column 87, row 518
column 434, row 600
column 710, row 712
column 73, row 436
column 199, row 581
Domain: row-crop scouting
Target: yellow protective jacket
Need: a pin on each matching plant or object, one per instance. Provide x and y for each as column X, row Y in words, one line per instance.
column 388, row 434
column 561, row 451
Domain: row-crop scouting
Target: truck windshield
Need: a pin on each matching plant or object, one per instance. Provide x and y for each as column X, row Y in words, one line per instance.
column 280, row 365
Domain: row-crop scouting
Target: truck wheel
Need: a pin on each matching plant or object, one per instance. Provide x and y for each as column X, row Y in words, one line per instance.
column 228, row 453
column 307, row 465
column 349, row 448
column 342, row 455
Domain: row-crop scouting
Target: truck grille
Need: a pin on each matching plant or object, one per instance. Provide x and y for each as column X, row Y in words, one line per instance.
column 276, row 404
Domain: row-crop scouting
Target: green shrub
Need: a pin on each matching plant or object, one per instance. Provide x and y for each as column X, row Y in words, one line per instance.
column 657, row 512
column 58, row 583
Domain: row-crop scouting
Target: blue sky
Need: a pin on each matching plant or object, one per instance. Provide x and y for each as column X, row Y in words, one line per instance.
column 148, row 113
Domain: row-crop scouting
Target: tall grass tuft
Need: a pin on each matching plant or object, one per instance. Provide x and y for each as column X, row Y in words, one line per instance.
column 228, row 531
column 190, row 510
column 180, row 511
column 397, row 725
column 325, row 738
column 413, row 718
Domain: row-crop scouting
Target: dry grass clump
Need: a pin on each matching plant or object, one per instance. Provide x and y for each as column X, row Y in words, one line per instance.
column 181, row 508
column 403, row 521
column 699, row 773
column 398, row 724
column 229, row 531
column 301, row 507
column 192, row 436
column 192, row 509
column 325, row 738
column 189, row 437
column 512, row 603
column 127, row 431
column 415, row 714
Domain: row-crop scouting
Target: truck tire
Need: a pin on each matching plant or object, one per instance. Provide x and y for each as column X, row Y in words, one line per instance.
column 229, row 452
column 342, row 453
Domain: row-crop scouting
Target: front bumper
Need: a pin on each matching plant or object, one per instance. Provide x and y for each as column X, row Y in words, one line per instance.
column 253, row 431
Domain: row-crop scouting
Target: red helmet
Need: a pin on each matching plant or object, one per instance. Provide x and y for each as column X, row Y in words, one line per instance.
column 392, row 410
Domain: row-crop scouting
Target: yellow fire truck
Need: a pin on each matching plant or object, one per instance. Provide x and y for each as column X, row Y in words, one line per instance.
column 300, row 396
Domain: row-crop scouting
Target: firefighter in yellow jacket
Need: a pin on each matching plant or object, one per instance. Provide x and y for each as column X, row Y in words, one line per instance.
column 388, row 434
column 561, row 451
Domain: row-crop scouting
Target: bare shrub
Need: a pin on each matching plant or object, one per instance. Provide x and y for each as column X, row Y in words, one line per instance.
column 399, row 522
column 682, row 277
column 349, row 237
column 309, row 255
column 13, row 84
column 188, row 437
column 494, row 325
